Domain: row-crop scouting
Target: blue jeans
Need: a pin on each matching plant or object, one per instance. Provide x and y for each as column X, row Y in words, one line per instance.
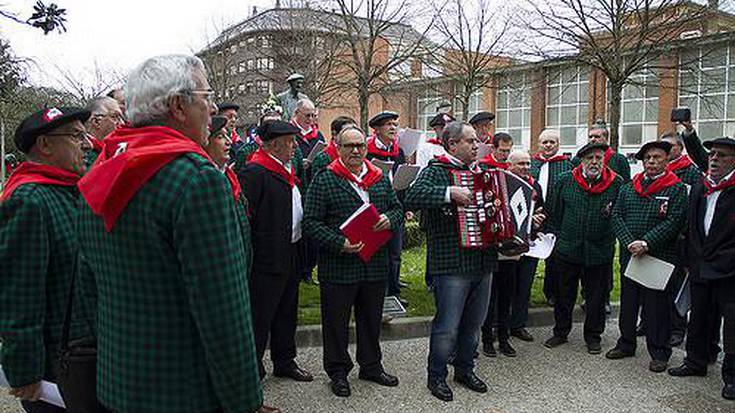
column 461, row 307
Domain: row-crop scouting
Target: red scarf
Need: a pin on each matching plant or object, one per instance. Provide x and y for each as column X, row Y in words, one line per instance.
column 710, row 187
column 375, row 151
column 97, row 144
column 491, row 162
column 556, row 158
column 263, row 159
column 607, row 178
column 116, row 177
column 373, row 175
column 331, row 150
column 434, row 141
column 487, row 139
column 609, row 152
column 234, row 137
column 309, row 134
column 36, row 173
column 667, row 180
column 680, row 163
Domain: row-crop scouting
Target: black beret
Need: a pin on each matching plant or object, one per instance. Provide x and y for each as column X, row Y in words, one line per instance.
column 218, row 122
column 441, row 120
column 45, row 121
column 381, row 118
column 275, row 128
column 227, row 105
column 591, row 147
column 482, row 117
column 727, row 141
column 664, row 145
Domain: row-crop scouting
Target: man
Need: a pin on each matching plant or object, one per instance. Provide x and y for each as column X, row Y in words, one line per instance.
column 229, row 111
column 598, row 133
column 383, row 146
column 345, row 280
column 462, row 276
column 218, row 145
column 520, row 164
column 162, row 237
column 305, row 118
column 483, row 124
column 38, row 249
column 679, row 163
column 331, row 152
column 647, row 218
column 711, row 246
column 288, row 98
column 119, row 96
column 546, row 167
column 502, row 145
column 432, row 148
column 106, row 117
column 580, row 208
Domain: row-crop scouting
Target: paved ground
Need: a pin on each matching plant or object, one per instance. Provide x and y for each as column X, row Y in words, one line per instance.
column 566, row 379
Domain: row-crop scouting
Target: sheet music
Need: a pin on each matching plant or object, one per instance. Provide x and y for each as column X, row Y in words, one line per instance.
column 404, row 177
column 385, row 166
column 49, row 391
column 649, row 271
column 316, row 150
column 408, row 140
column 483, row 150
column 542, row 246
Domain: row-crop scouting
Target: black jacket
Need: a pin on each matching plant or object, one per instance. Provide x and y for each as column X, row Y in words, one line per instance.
column 711, row 257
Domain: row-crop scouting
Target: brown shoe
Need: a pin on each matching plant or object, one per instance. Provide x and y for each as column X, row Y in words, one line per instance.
column 658, row 366
column 268, row 409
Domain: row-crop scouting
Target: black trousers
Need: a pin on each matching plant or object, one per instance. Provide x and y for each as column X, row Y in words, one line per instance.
column 310, row 255
column 501, row 297
column 594, row 284
column 337, row 303
column 550, row 278
column 711, row 298
column 656, row 313
column 274, row 301
column 41, row 407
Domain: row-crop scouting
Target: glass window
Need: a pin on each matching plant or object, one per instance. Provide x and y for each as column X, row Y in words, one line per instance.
column 513, row 107
column 567, row 109
column 426, row 109
column 639, row 109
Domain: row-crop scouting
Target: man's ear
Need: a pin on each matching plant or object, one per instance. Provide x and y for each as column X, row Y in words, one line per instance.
column 177, row 106
column 44, row 146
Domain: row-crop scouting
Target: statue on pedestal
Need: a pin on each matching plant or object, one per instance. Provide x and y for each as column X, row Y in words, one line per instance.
column 288, row 98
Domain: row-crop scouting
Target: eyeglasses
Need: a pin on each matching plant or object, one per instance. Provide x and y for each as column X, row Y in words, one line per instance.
column 352, row 146
column 208, row 94
column 78, row 136
column 720, row 154
column 312, row 115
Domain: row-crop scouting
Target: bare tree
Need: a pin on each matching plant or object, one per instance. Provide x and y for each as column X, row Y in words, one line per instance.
column 473, row 36
column 83, row 85
column 217, row 58
column 620, row 38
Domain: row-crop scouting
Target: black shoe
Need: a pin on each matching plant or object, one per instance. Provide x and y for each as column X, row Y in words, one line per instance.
column 383, row 379
column 340, row 387
column 594, row 348
column 471, row 381
column 640, row 331
column 685, row 371
column 555, row 341
column 617, row 354
column 440, row 389
column 506, row 349
column 658, row 366
column 488, row 349
column 676, row 339
column 522, row 334
column 728, row 392
column 295, row 373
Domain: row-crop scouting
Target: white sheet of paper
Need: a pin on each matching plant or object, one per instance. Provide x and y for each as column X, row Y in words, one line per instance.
column 542, row 246
column 649, row 271
column 404, row 177
column 683, row 300
column 385, row 166
column 49, row 391
column 408, row 140
column 316, row 150
column 483, row 150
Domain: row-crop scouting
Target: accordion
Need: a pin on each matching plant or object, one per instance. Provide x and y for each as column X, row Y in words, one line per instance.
column 500, row 213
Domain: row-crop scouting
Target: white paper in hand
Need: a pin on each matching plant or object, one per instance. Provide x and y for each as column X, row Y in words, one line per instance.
column 483, row 150
column 408, row 140
column 542, row 246
column 49, row 391
column 649, row 271
column 404, row 177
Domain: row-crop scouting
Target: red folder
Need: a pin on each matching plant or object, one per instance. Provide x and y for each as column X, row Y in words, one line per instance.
column 359, row 228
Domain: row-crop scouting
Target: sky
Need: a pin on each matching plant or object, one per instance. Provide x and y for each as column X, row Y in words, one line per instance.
column 118, row 35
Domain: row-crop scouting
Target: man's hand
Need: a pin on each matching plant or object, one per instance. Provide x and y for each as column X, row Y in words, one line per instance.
column 538, row 220
column 687, row 124
column 349, row 248
column 409, row 215
column 383, row 224
column 460, row 195
column 31, row 392
column 638, row 247
column 307, row 164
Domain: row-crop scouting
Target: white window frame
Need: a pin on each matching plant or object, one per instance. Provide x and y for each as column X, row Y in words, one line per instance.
column 555, row 80
column 426, row 109
column 647, row 81
column 513, row 84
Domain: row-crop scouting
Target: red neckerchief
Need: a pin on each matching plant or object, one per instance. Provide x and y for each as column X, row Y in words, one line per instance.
column 530, row 180
column 434, row 141
column 491, row 162
column 487, row 139
column 679, row 163
column 667, row 180
column 97, row 144
column 308, row 134
column 609, row 152
column 607, row 178
column 331, row 150
column 116, row 177
column 373, row 175
column 375, row 151
column 710, row 187
column 555, row 158
column 234, row 137
column 36, row 173
column 263, row 159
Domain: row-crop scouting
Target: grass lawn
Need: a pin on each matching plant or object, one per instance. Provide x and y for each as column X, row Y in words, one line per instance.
column 421, row 302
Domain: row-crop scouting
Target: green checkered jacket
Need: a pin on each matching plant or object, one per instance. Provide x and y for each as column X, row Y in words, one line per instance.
column 329, row 202
column 89, row 157
column 320, row 163
column 582, row 221
column 445, row 256
column 37, row 250
column 173, row 321
column 658, row 220
column 618, row 163
column 555, row 170
column 691, row 175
